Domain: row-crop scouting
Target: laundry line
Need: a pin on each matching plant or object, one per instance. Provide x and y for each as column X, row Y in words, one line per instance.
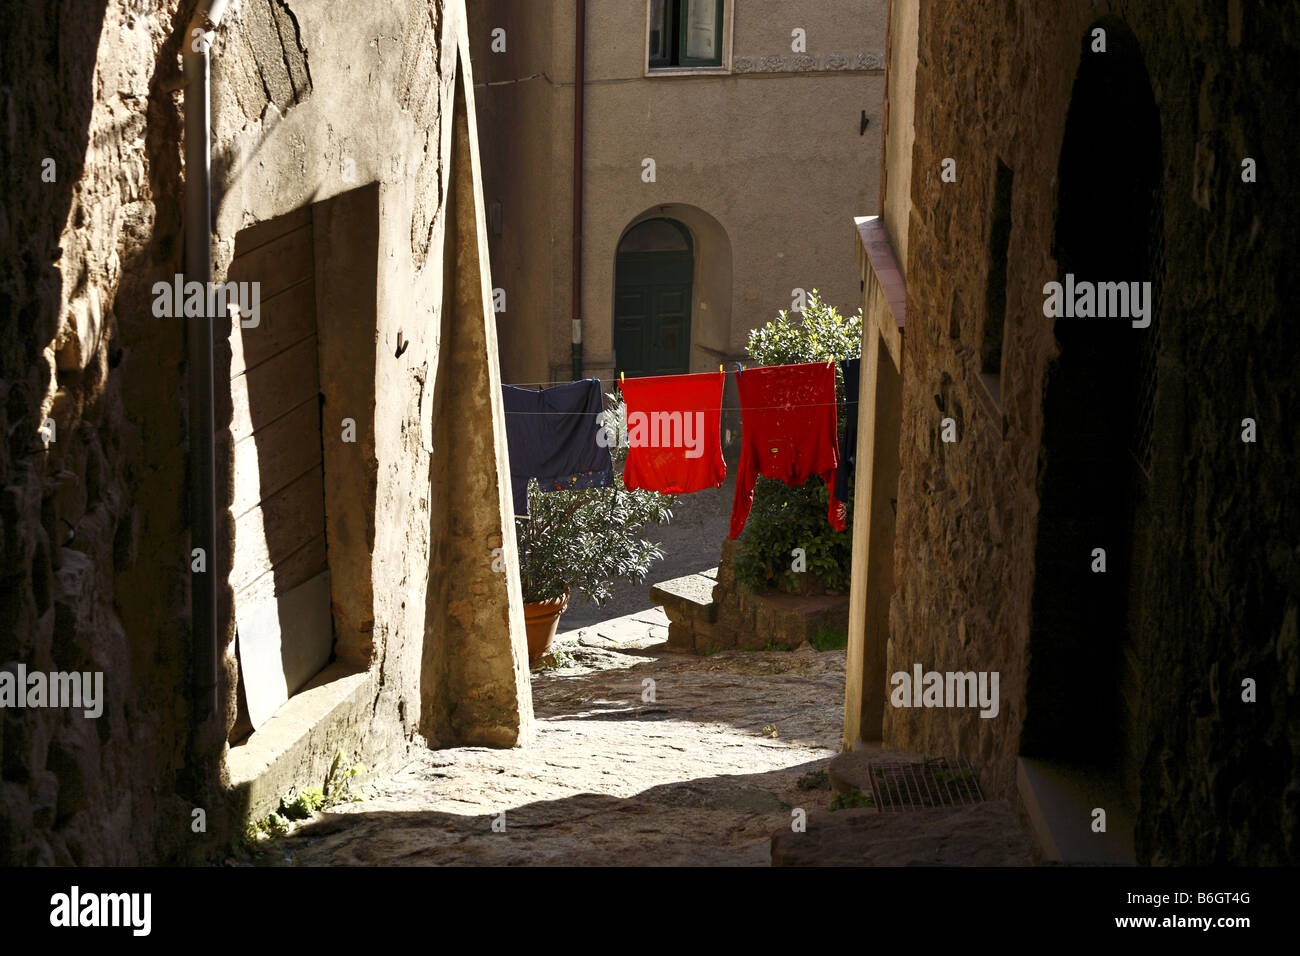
column 723, row 408
column 739, row 370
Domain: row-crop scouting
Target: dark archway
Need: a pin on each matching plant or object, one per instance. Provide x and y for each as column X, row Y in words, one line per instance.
column 1084, row 660
column 653, row 276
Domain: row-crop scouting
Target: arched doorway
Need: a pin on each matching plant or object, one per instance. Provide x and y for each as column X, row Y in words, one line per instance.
column 1084, row 670
column 653, row 276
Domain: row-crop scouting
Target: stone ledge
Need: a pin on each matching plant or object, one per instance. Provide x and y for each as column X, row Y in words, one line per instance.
column 1059, row 801
column 298, row 744
column 689, row 597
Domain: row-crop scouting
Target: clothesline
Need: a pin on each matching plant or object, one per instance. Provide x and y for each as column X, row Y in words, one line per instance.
column 796, row 441
column 724, row 408
column 548, row 384
column 614, row 381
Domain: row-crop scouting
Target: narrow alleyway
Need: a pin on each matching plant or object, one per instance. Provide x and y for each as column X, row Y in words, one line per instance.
column 702, row 771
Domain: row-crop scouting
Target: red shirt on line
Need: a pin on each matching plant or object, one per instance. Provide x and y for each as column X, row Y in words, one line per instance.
column 788, row 432
column 673, row 424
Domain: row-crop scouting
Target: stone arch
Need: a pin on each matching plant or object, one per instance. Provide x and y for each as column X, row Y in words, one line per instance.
column 711, row 290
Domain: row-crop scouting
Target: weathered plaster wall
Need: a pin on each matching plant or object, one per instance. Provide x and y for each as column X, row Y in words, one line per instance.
column 723, row 144
column 524, row 167
column 1219, row 778
column 389, row 497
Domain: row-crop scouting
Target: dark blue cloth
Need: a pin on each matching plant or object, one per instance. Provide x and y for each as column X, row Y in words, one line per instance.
column 551, row 436
column 848, row 447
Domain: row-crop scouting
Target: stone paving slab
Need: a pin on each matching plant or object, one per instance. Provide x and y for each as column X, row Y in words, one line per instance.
column 981, row 834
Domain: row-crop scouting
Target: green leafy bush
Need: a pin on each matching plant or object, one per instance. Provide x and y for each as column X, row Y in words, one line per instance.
column 583, row 540
column 785, row 518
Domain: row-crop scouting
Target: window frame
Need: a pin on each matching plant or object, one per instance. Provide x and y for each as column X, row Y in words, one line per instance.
column 724, row 25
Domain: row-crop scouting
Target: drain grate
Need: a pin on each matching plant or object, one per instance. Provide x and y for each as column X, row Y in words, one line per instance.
column 938, row 782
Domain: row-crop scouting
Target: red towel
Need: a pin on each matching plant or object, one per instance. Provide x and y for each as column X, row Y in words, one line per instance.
column 673, row 424
column 788, row 432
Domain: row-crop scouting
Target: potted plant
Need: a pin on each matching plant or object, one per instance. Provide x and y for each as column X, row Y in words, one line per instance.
column 580, row 541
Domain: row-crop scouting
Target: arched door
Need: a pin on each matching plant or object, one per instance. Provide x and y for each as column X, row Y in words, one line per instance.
column 653, row 274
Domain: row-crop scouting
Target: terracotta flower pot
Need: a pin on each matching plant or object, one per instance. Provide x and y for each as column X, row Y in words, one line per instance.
column 540, row 621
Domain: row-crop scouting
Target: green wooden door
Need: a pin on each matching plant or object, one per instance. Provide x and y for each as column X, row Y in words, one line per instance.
column 652, row 300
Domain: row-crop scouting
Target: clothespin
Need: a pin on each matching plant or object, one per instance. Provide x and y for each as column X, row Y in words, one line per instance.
column 719, row 368
column 739, row 369
column 620, row 378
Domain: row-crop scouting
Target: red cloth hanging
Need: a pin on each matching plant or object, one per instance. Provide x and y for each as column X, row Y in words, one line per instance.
column 788, row 432
column 673, row 424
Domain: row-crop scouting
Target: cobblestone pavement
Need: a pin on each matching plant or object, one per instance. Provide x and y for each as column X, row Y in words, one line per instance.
column 702, row 771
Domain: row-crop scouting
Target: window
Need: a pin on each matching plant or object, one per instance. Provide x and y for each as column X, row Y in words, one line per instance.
column 685, row 33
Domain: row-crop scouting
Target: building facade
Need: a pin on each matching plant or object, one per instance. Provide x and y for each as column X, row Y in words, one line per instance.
column 1097, row 506
column 718, row 140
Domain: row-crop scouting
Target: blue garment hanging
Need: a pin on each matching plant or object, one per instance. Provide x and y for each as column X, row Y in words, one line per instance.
column 849, row 446
column 551, row 435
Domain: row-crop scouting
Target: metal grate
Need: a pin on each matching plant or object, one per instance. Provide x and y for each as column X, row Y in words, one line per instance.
column 938, row 782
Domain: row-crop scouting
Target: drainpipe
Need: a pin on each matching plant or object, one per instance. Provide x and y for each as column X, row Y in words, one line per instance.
column 579, row 79
column 198, row 268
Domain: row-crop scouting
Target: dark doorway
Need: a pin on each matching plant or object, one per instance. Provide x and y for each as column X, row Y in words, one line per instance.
column 1084, row 659
column 653, row 274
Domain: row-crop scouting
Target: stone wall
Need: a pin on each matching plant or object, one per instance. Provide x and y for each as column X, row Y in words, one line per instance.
column 309, row 104
column 93, row 570
column 1217, row 598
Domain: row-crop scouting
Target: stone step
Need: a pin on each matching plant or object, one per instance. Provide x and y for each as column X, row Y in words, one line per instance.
column 688, row 598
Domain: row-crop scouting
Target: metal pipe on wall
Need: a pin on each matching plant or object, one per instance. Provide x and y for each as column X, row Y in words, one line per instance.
column 579, row 80
column 199, row 334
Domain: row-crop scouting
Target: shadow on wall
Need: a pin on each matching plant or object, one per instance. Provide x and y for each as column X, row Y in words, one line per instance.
column 1084, row 654
column 299, row 447
column 117, row 512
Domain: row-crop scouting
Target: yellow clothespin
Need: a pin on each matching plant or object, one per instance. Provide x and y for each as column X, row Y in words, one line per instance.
column 719, row 368
column 620, row 378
